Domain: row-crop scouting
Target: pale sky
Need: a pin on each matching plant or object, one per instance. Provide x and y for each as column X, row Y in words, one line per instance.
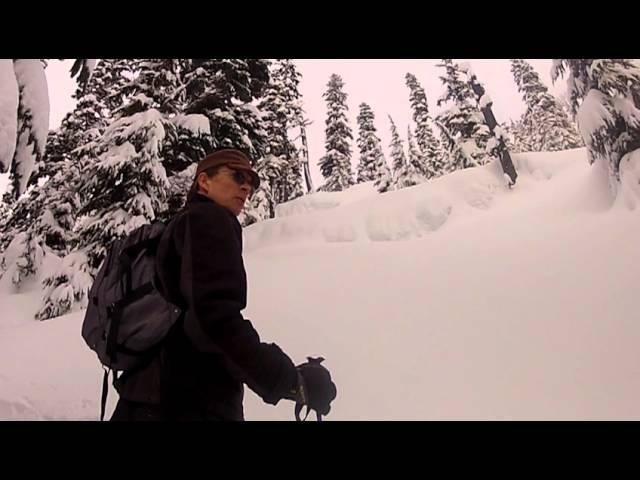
column 380, row 83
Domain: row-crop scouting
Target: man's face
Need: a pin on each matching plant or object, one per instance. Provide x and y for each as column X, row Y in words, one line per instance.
column 229, row 188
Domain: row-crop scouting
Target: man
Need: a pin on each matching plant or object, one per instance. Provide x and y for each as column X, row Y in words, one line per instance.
column 209, row 355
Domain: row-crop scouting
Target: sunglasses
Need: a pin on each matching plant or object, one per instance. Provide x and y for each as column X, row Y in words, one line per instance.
column 242, row 178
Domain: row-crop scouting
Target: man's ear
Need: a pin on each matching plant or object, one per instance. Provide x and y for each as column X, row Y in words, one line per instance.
column 201, row 180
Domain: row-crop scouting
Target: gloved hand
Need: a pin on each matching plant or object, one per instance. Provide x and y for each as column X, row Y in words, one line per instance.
column 315, row 387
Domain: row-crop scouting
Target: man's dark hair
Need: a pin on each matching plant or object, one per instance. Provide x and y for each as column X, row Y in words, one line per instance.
column 209, row 172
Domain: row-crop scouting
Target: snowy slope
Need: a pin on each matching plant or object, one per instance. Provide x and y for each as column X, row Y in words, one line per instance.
column 493, row 304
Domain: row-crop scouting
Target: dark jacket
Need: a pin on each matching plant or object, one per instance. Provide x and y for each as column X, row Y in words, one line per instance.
column 200, row 371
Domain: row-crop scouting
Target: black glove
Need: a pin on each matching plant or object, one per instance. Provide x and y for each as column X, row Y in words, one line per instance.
column 315, row 388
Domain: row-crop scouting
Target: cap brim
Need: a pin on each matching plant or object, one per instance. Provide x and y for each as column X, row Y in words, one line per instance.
column 254, row 175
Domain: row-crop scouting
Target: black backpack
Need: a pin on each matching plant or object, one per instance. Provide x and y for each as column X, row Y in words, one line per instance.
column 127, row 318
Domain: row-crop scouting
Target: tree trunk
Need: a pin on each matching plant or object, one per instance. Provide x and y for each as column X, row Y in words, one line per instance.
column 305, row 158
column 490, row 119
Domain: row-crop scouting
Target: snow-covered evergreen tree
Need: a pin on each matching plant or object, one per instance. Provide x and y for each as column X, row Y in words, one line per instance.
column 412, row 175
column 497, row 143
column 24, row 118
column 384, row 179
column 517, row 137
column 179, row 186
column 125, row 189
column 9, row 95
column 128, row 184
column 399, row 159
column 432, row 163
column 464, row 131
column 372, row 165
column 404, row 170
column 43, row 219
column 545, row 124
column 336, row 163
column 157, row 83
column 368, row 144
column 224, row 91
column 262, row 204
column 295, row 120
column 32, row 125
column 123, row 185
column 281, row 107
column 605, row 97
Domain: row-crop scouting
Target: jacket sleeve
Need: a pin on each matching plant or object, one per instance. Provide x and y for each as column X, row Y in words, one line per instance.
column 213, row 283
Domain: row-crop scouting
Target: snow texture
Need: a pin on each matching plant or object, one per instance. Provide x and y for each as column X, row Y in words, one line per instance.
column 359, row 215
column 33, row 82
column 485, row 101
column 34, row 98
column 466, row 68
column 627, row 109
column 8, row 114
column 196, row 123
column 593, row 114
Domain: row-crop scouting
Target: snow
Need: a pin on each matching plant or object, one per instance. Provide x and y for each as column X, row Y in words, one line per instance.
column 326, row 200
column 31, row 142
column 196, row 123
column 8, row 115
column 485, row 101
column 492, row 143
column 457, row 299
column 4, row 181
column 466, row 68
column 629, row 192
column 627, row 109
column 593, row 114
column 32, row 79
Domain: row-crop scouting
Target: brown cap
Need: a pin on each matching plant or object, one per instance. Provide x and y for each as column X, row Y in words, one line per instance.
column 230, row 158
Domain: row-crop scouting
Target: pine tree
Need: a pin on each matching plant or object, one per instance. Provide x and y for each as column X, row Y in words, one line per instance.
column 384, row 179
column 304, row 154
column 223, row 90
column 368, row 143
column 179, row 186
column 605, row 97
column 282, row 112
column 128, row 185
column 464, row 131
column 372, row 166
column 518, row 138
column 397, row 150
column 126, row 188
column 430, row 149
column 262, row 204
column 123, row 185
column 546, row 125
column 157, row 85
column 336, row 164
column 497, row 143
column 24, row 117
column 9, row 95
column 32, row 125
column 44, row 218
column 411, row 175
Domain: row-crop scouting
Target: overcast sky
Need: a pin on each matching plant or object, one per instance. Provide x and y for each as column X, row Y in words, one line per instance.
column 380, row 83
